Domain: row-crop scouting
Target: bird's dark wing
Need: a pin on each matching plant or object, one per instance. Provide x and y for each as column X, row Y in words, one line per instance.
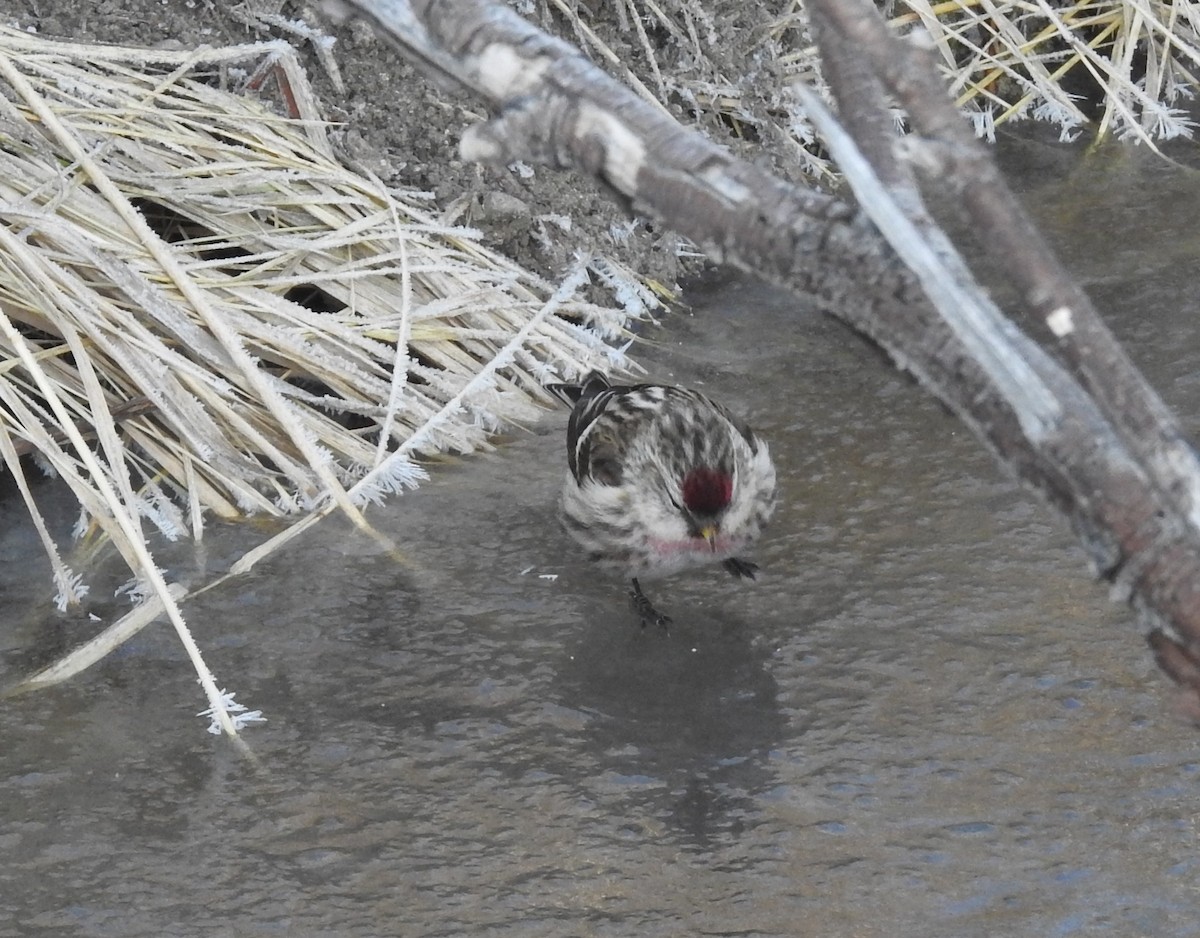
column 595, row 454
column 587, row 400
column 593, row 450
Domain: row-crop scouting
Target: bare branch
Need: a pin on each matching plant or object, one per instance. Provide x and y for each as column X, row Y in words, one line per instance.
column 1092, row 455
column 1161, row 553
column 1083, row 340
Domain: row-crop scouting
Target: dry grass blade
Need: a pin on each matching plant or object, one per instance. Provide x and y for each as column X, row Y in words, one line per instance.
column 241, row 323
column 95, row 649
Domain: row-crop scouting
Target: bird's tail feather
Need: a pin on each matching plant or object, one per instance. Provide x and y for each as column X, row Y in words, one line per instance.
column 570, row 394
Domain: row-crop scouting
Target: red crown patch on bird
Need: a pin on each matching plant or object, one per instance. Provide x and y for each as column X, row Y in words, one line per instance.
column 707, row 491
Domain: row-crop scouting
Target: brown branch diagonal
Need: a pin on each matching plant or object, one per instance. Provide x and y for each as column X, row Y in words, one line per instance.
column 1077, row 422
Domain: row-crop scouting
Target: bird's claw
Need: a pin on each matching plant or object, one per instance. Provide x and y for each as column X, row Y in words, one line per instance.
column 659, row 619
column 738, row 567
column 645, row 608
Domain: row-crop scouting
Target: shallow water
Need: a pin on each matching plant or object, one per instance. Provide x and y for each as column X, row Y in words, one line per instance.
column 924, row 719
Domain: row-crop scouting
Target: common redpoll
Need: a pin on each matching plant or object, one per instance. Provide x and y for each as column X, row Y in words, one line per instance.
column 661, row 479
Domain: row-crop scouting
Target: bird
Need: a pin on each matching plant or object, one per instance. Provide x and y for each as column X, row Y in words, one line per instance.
column 661, row 479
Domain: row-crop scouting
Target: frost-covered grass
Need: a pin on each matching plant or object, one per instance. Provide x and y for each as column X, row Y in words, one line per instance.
column 1122, row 67
column 205, row 313
column 1011, row 59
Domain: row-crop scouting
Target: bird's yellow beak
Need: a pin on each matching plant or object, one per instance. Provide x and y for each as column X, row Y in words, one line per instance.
column 710, row 535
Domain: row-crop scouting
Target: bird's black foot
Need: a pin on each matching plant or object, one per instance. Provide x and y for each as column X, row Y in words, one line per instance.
column 646, row 609
column 738, row 567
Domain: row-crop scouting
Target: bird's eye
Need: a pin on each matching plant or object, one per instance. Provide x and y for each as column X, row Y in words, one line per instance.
column 675, row 503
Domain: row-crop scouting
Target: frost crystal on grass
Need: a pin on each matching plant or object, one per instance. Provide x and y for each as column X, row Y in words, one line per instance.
column 71, row 588
column 238, row 713
column 393, row 477
column 1062, row 113
column 621, row 231
column 984, row 124
column 45, row 465
column 626, row 289
column 81, row 524
column 137, row 589
column 152, row 503
column 1163, row 122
